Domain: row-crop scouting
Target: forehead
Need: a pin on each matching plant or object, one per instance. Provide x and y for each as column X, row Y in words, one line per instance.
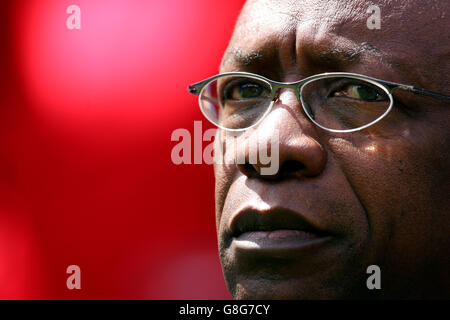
column 336, row 33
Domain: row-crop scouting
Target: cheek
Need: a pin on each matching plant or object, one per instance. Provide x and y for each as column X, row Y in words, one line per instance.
column 223, row 180
column 387, row 169
column 225, row 168
column 396, row 180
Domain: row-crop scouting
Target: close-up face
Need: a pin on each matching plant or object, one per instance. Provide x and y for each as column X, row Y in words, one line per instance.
column 340, row 201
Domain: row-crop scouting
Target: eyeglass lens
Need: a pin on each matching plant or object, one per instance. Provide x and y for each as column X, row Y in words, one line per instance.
column 337, row 103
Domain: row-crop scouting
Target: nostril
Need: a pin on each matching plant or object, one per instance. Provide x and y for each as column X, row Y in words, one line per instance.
column 287, row 168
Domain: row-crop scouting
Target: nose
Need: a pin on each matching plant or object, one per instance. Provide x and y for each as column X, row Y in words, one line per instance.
column 290, row 139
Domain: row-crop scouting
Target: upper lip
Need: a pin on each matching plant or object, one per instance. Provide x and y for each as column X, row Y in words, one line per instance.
column 250, row 219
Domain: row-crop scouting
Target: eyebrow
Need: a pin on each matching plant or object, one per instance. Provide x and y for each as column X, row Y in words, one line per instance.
column 243, row 57
column 327, row 55
column 347, row 54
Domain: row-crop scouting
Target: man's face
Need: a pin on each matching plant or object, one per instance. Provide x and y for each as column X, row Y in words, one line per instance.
column 341, row 202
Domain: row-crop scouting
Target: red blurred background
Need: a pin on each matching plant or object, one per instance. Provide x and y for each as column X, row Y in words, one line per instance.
column 86, row 176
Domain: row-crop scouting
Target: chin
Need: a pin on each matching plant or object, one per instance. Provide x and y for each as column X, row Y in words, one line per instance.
column 318, row 270
column 289, row 289
column 283, row 284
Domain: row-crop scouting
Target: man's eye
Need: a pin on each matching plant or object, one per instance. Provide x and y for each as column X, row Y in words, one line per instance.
column 360, row 92
column 246, row 90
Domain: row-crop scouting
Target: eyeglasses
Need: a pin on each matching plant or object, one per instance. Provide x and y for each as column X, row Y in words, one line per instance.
column 336, row 102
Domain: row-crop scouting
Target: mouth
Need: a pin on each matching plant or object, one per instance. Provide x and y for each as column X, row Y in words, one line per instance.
column 274, row 230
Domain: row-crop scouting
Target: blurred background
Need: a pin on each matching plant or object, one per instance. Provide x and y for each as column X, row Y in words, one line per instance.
column 86, row 176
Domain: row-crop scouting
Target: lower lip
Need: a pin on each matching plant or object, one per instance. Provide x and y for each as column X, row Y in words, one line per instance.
column 277, row 240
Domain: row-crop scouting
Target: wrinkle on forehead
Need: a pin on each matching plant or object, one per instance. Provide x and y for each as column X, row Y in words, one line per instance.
column 412, row 43
column 280, row 23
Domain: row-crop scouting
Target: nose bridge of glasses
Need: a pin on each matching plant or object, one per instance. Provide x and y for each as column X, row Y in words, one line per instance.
column 278, row 86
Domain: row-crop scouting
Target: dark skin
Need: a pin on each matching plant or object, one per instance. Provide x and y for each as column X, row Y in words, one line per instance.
column 380, row 194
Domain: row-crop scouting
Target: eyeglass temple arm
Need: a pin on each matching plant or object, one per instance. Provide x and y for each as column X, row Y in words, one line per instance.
column 430, row 94
column 424, row 92
column 195, row 88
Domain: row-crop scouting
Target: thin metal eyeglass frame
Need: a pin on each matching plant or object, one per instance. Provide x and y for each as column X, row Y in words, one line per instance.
column 387, row 86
